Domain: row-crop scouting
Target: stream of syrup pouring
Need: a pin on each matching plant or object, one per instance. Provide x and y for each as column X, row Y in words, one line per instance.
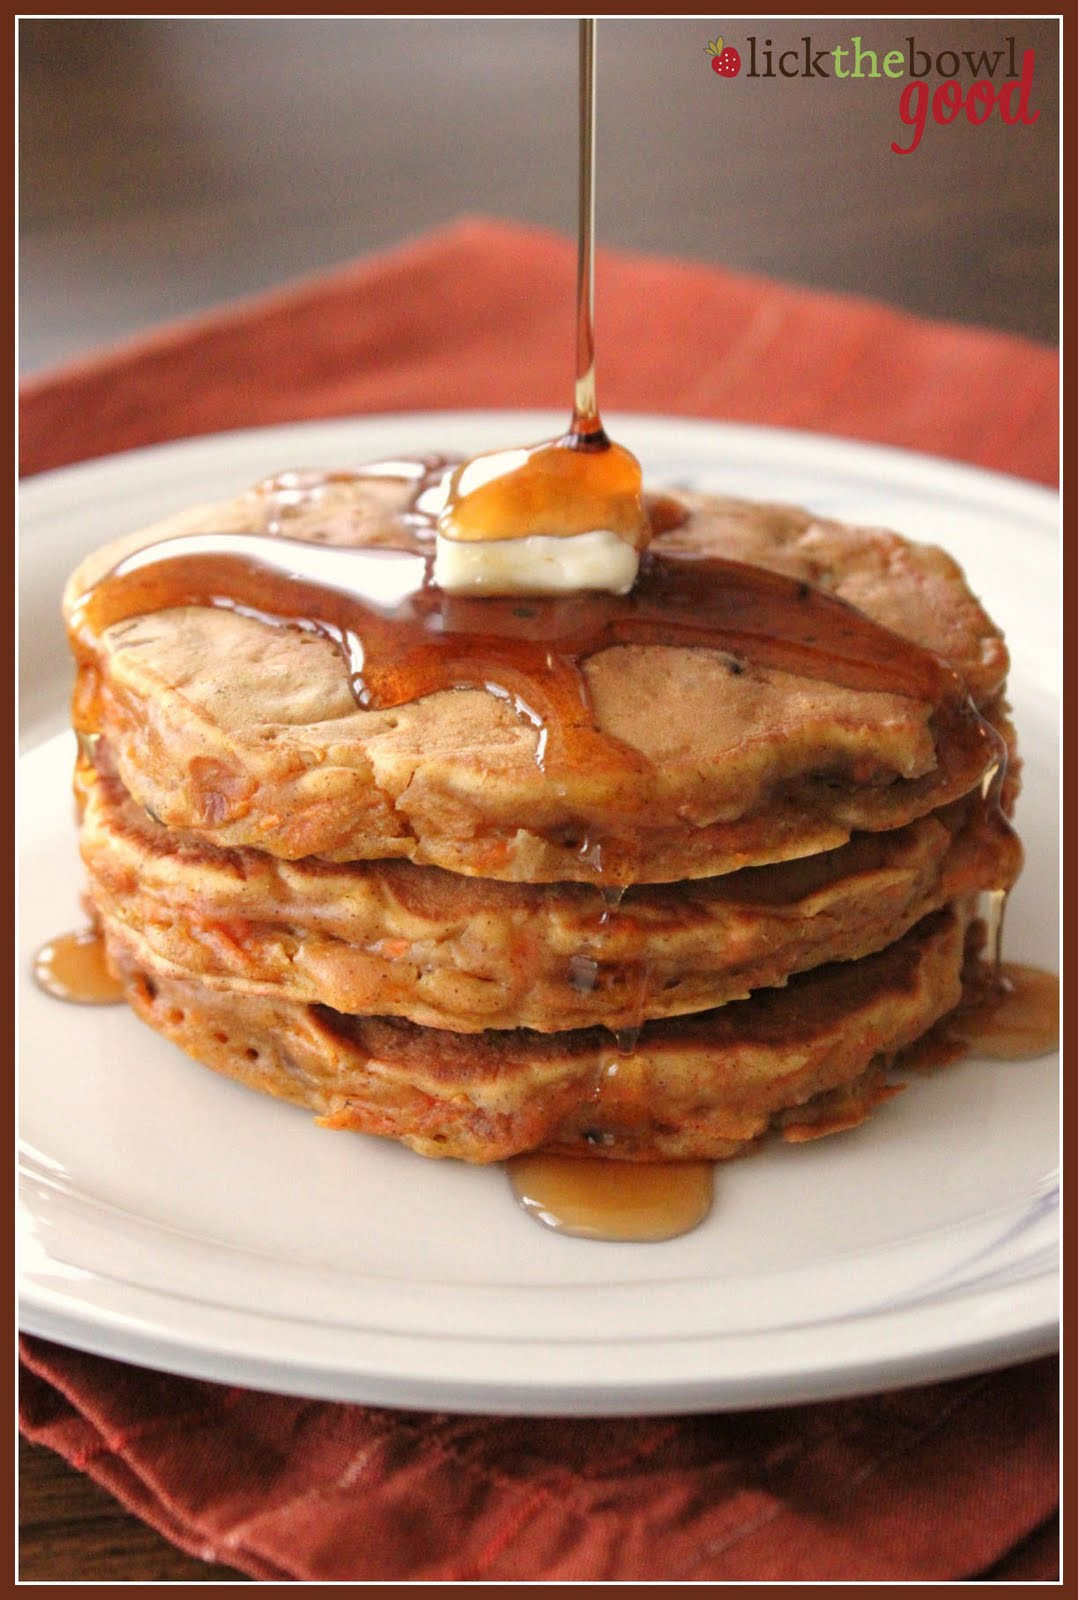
column 581, row 481
column 614, row 1201
column 402, row 638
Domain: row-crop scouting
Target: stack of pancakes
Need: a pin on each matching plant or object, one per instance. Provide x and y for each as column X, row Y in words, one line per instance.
column 402, row 920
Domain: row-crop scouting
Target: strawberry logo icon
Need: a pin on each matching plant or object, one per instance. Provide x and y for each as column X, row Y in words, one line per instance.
column 727, row 63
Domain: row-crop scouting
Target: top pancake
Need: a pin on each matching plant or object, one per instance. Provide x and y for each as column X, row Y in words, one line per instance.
column 248, row 733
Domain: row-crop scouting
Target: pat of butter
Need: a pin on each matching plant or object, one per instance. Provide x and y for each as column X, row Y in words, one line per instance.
column 536, row 563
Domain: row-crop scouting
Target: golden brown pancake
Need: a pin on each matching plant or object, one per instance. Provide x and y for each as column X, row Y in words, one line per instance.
column 807, row 1057
column 248, row 734
column 445, row 951
column 396, row 917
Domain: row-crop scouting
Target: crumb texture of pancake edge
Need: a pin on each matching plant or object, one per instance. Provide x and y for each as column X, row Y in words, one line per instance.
column 391, row 938
column 699, row 1088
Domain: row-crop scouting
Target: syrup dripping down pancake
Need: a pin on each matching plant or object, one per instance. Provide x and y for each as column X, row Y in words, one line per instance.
column 250, row 734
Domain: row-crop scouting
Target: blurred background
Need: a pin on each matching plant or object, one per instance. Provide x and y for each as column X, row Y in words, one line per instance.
column 171, row 165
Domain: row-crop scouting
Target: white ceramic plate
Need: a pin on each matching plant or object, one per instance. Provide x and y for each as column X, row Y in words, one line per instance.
column 171, row 1218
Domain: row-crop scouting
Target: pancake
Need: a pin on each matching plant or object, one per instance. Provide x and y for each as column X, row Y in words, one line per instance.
column 248, row 734
column 466, row 954
column 808, row 1058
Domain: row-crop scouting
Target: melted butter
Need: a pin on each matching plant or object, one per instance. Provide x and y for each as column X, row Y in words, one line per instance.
column 537, row 564
column 558, row 517
column 641, row 1202
column 73, row 968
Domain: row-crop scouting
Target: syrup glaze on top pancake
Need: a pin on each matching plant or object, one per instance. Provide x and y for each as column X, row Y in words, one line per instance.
column 616, row 739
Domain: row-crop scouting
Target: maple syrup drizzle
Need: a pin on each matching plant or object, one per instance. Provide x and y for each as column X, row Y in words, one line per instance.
column 73, row 968
column 288, row 496
column 586, row 424
column 559, row 488
column 612, row 897
column 996, row 906
column 622, row 1201
column 1017, row 1019
column 1008, row 1012
column 581, row 481
column 402, row 638
column 995, row 898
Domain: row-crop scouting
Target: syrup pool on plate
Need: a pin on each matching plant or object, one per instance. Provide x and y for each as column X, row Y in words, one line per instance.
column 73, row 967
column 620, row 1201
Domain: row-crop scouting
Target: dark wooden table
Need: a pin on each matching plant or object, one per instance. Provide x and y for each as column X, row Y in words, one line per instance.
column 796, row 179
column 70, row 1530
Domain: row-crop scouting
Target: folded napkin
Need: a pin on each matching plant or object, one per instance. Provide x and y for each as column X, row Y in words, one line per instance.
column 937, row 1483
column 948, row 1481
column 481, row 314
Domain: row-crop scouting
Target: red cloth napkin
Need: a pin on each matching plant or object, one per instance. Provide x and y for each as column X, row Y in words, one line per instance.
column 481, row 314
column 948, row 1481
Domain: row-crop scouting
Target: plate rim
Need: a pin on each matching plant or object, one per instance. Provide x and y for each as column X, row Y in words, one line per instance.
column 122, row 1339
column 116, row 1335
